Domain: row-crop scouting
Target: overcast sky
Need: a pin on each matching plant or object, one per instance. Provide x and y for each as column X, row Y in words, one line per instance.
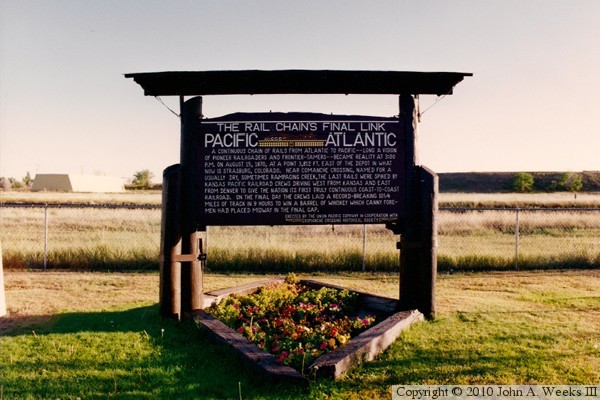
column 533, row 103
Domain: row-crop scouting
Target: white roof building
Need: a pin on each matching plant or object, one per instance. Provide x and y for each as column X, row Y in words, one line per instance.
column 77, row 183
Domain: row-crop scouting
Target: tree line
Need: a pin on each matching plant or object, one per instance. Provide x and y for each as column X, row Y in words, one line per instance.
column 141, row 180
column 524, row 182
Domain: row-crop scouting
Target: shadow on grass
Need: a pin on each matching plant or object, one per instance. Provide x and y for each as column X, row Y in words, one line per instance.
column 130, row 354
column 134, row 354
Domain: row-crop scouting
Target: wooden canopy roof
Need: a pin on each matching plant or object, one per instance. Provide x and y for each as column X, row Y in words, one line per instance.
column 198, row 83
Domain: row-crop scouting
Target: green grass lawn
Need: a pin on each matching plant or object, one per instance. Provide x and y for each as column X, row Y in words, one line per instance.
column 103, row 339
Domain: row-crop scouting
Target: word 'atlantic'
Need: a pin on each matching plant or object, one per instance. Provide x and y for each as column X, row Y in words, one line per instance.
column 337, row 139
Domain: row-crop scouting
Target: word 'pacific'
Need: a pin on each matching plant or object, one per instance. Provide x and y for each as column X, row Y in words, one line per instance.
column 237, row 139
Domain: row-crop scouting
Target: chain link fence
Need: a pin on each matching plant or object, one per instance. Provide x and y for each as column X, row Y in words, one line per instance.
column 86, row 237
column 92, row 237
column 518, row 238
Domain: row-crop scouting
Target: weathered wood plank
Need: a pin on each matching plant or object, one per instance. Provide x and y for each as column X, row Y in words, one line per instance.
column 428, row 208
column 170, row 244
column 248, row 288
column 193, row 83
column 2, row 296
column 365, row 346
column 378, row 303
column 248, row 351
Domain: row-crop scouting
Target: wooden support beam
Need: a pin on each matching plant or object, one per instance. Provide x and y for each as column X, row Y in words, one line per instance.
column 194, row 83
column 365, row 346
column 428, row 184
column 191, row 275
column 250, row 353
column 170, row 244
column 409, row 233
column 418, row 244
column 2, row 295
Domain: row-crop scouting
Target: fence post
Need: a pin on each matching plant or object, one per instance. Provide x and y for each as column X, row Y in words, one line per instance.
column 2, row 297
column 192, row 290
column 170, row 244
column 517, row 239
column 45, row 236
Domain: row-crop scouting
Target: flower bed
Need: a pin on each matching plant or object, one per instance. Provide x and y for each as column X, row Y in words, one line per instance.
column 295, row 323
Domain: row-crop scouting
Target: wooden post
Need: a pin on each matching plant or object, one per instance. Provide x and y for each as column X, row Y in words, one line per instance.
column 170, row 244
column 428, row 184
column 418, row 243
column 409, row 257
column 2, row 296
column 191, row 275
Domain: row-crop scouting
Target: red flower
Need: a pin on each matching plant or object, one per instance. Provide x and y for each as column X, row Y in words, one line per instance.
column 319, row 316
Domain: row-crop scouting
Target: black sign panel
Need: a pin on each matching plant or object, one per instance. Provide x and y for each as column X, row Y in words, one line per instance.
column 291, row 168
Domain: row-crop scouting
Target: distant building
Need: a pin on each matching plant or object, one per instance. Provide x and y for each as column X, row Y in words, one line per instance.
column 77, row 183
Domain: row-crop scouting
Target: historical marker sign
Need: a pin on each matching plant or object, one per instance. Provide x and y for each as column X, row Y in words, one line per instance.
column 292, row 168
column 276, row 169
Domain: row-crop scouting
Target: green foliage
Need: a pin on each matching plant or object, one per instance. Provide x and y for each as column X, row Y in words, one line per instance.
column 15, row 184
column 293, row 322
column 523, row 182
column 128, row 353
column 142, row 179
column 570, row 182
column 27, row 181
column 491, row 329
column 12, row 183
column 292, row 279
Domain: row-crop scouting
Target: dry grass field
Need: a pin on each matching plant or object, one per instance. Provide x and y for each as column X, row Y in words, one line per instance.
column 128, row 239
column 556, row 199
column 126, row 198
column 546, row 200
column 34, row 297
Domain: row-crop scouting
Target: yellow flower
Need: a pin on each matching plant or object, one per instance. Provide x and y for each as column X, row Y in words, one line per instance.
column 332, row 343
column 342, row 339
